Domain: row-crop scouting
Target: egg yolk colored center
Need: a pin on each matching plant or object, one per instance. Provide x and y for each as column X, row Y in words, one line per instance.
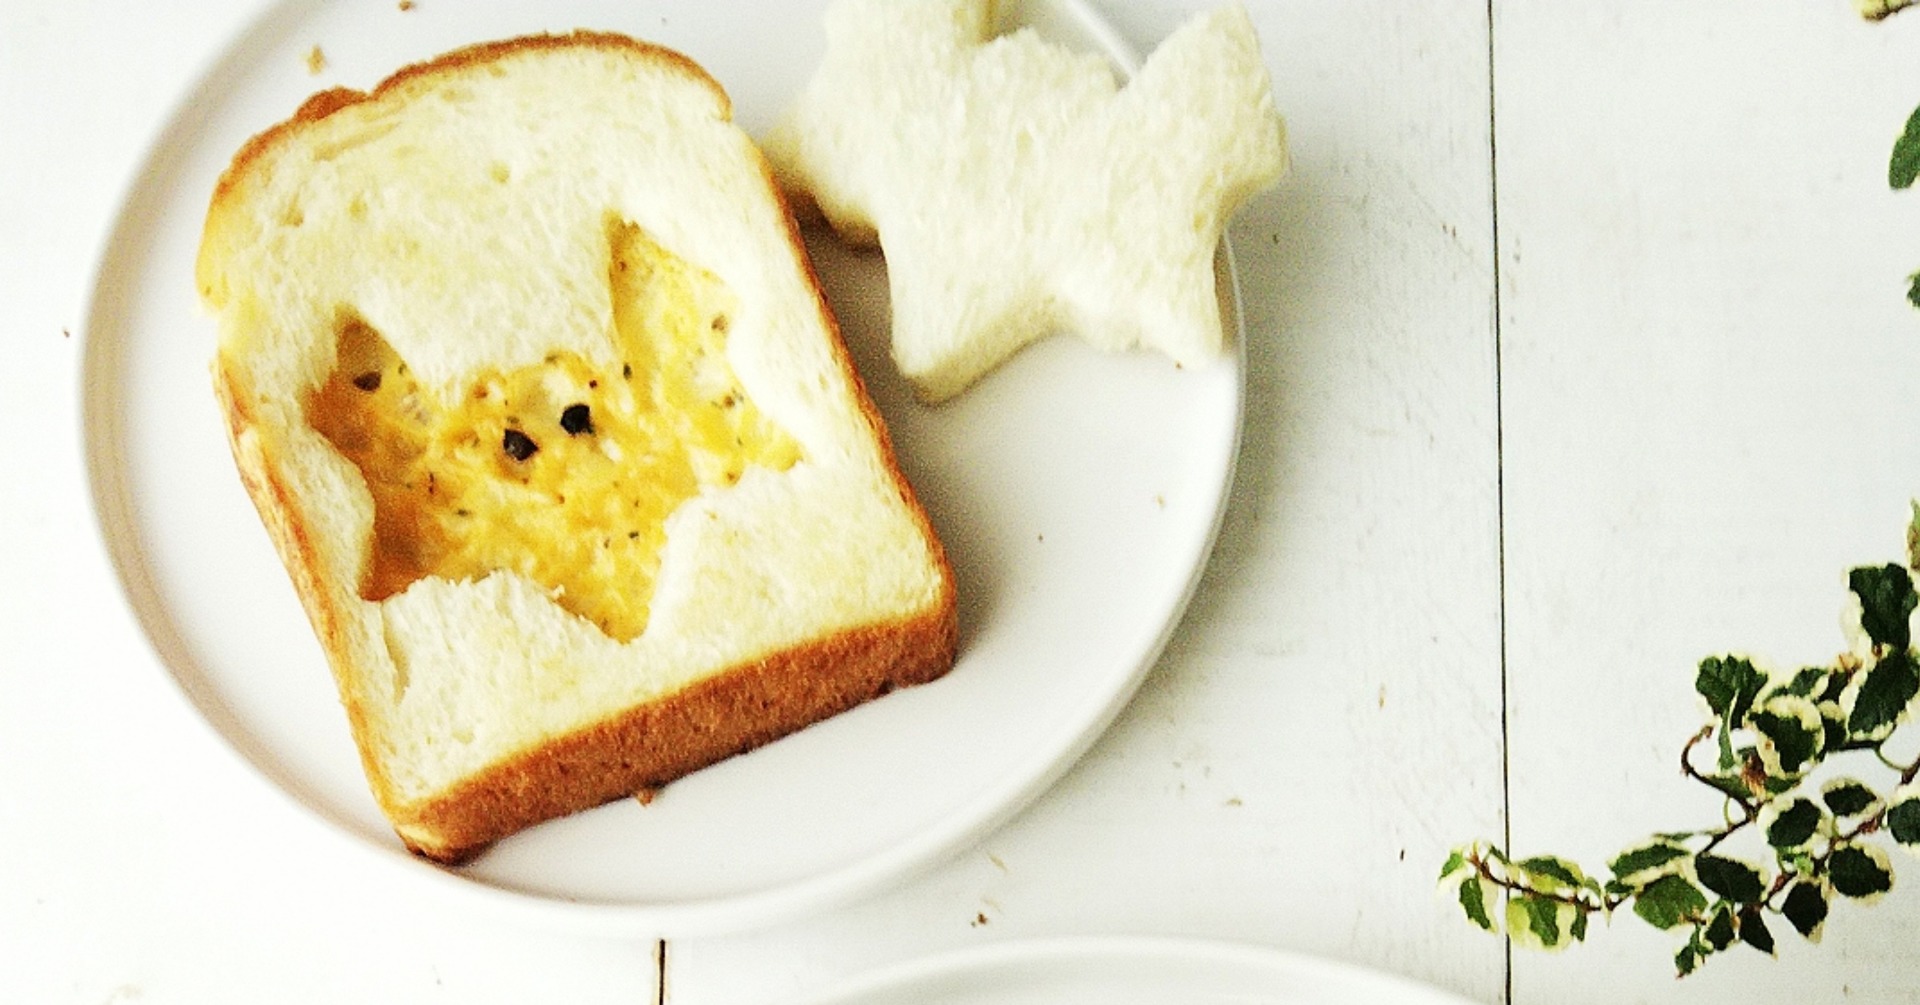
column 561, row 471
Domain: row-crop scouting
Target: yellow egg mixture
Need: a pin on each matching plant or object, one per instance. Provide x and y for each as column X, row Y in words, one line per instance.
column 560, row 471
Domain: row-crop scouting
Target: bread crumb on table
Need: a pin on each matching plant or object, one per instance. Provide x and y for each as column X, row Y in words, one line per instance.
column 316, row 60
column 406, row 5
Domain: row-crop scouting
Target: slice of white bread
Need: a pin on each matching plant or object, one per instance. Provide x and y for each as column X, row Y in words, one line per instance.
column 1017, row 189
column 532, row 384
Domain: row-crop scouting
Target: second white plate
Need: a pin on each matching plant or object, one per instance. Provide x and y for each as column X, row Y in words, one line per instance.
column 1128, row 970
column 1078, row 495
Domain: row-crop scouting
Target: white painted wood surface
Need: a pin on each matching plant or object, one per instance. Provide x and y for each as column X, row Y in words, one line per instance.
column 1709, row 378
column 1694, row 413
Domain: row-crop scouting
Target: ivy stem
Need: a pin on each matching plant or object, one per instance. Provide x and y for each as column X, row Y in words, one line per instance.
column 1749, row 811
column 1606, row 903
column 1908, row 772
column 1880, row 751
column 1775, row 888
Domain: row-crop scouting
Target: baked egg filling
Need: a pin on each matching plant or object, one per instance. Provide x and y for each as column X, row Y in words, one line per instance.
column 563, row 471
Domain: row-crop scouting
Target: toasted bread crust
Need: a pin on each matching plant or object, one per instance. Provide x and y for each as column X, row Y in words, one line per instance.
column 647, row 746
column 650, row 745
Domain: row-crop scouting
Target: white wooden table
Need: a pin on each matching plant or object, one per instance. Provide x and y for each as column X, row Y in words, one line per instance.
column 1577, row 351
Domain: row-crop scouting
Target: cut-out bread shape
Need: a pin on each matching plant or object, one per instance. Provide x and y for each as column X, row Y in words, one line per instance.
column 533, row 387
column 1016, row 188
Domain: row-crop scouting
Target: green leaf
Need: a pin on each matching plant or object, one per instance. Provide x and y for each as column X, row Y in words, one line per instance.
column 1886, row 601
column 1579, row 927
column 1699, row 947
column 1669, row 901
column 1473, row 900
column 1794, row 824
column 1733, row 785
column 1645, row 858
column 1539, row 922
column 1902, row 819
column 1559, row 875
column 1686, row 960
column 1847, row 797
column 1805, row 908
column 1544, row 919
column 1913, row 289
column 1904, row 165
column 1730, row 878
column 1859, row 871
column 1729, row 684
column 1455, row 862
column 1719, row 932
column 1834, row 723
column 1795, row 737
column 1754, row 931
column 1884, row 693
column 1809, row 682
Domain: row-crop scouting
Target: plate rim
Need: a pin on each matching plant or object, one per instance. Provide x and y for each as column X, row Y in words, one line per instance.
column 902, row 977
column 100, row 436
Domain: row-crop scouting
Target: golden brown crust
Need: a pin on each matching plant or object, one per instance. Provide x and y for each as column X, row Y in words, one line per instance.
column 640, row 748
column 649, row 745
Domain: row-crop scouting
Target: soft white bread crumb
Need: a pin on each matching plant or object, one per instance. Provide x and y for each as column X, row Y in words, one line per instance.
column 1016, row 188
column 463, row 211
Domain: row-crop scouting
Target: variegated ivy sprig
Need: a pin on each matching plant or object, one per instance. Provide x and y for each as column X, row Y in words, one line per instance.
column 1816, row 838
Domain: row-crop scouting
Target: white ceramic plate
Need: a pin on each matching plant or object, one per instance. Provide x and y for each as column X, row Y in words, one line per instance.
column 1078, row 495
column 1127, row 971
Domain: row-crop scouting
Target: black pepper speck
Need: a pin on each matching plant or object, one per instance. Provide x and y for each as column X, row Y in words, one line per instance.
column 576, row 419
column 518, row 445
